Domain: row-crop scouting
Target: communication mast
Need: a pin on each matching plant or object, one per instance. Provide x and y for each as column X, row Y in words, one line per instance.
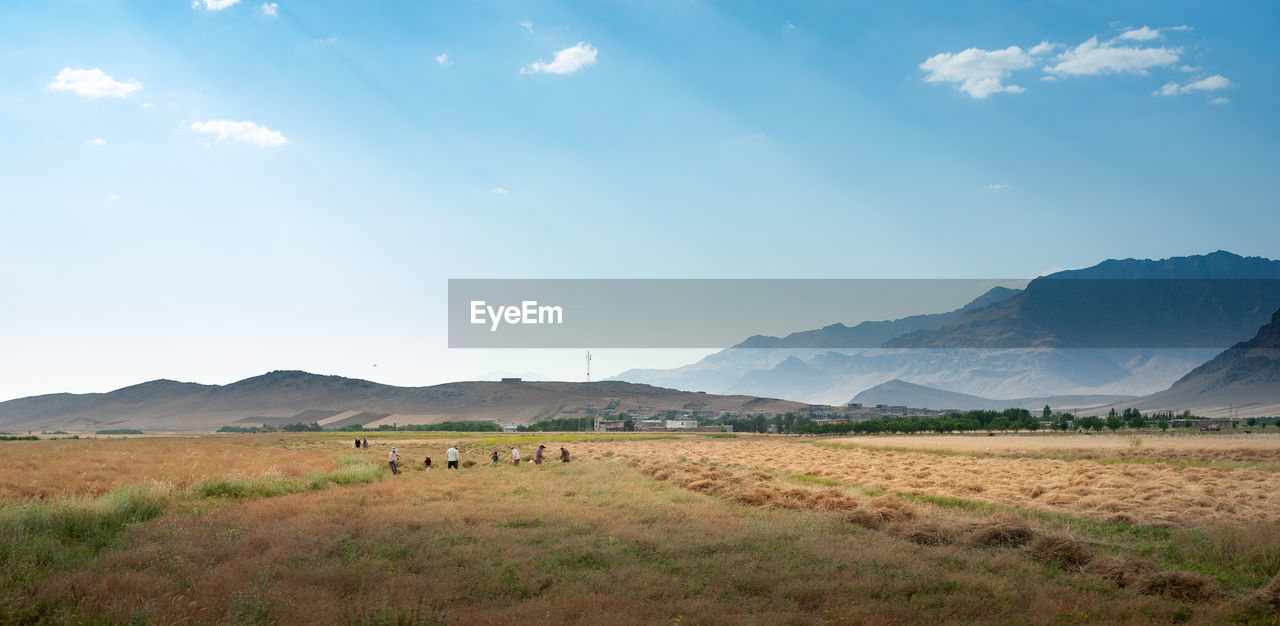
column 588, row 413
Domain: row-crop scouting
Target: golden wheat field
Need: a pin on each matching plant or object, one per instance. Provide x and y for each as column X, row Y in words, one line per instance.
column 694, row 529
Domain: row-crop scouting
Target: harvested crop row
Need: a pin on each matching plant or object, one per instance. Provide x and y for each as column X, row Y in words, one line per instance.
column 889, row 514
column 905, row 520
column 1146, row 494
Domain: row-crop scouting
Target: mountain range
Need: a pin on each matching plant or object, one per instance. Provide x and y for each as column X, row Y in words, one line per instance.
column 291, row 396
column 1122, row 327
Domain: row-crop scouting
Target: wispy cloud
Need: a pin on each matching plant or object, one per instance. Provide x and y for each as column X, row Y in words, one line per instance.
column 1141, row 34
column 566, row 61
column 499, row 191
column 97, row 141
column 527, row 25
column 978, row 72
column 789, row 25
column 269, row 9
column 1092, row 58
column 246, row 132
column 1220, row 100
column 1212, row 83
column 92, row 83
column 213, row 5
column 1000, row 186
column 443, row 59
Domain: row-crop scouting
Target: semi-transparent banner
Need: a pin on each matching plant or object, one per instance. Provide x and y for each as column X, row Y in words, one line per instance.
column 857, row 313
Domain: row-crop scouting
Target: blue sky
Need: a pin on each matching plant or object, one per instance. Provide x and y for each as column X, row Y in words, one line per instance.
column 206, row 192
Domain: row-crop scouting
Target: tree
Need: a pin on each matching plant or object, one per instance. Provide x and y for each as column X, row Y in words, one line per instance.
column 1251, row 421
column 1163, row 424
column 1091, row 422
column 1000, row 423
column 1047, row 412
column 1032, row 424
column 628, row 424
column 1113, row 422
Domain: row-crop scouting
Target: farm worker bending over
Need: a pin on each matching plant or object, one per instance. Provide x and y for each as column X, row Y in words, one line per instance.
column 515, row 457
column 564, row 455
column 391, row 460
column 537, row 455
column 452, row 455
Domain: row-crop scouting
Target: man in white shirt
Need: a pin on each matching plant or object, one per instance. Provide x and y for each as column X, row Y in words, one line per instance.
column 515, row 457
column 452, row 455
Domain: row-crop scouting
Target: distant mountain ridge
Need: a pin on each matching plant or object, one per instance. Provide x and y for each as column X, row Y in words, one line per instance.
column 1244, row 379
column 873, row 334
column 1122, row 327
column 903, row 393
column 1209, row 301
column 290, row 395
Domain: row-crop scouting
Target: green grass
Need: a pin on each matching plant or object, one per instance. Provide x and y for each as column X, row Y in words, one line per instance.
column 45, row 535
column 38, row 537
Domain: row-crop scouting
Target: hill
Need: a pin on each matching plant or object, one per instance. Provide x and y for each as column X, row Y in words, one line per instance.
column 291, row 396
column 903, row 393
column 1244, row 378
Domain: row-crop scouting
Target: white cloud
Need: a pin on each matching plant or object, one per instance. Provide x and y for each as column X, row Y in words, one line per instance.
column 499, row 191
column 247, row 132
column 1141, row 34
column 527, row 25
column 443, row 59
column 1212, row 83
column 213, row 5
column 1048, row 79
column 567, row 61
column 92, row 83
column 1092, row 58
column 269, row 9
column 1182, row 28
column 97, row 141
column 976, row 72
column 1220, row 100
column 1000, row 186
column 1042, row 48
column 790, row 26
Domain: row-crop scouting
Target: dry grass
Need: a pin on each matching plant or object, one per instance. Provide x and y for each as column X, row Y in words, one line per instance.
column 587, row 543
column 1258, row 450
column 91, row 467
column 745, row 530
column 1156, row 494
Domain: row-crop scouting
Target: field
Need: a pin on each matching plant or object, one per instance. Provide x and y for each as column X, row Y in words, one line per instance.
column 276, row 528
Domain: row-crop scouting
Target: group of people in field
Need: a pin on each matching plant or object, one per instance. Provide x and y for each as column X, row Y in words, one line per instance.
column 451, row 456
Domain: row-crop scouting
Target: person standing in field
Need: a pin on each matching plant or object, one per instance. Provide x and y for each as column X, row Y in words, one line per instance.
column 564, row 455
column 357, row 443
column 515, row 457
column 537, row 455
column 427, row 462
column 391, row 460
column 494, row 458
column 366, row 443
column 452, row 456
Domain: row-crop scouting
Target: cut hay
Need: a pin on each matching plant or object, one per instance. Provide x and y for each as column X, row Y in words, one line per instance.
column 864, row 518
column 1062, row 551
column 891, row 509
column 1122, row 572
column 1003, row 530
column 1185, row 586
column 1270, row 593
column 926, row 533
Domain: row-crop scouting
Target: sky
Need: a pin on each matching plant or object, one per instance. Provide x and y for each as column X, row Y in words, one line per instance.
column 208, row 190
